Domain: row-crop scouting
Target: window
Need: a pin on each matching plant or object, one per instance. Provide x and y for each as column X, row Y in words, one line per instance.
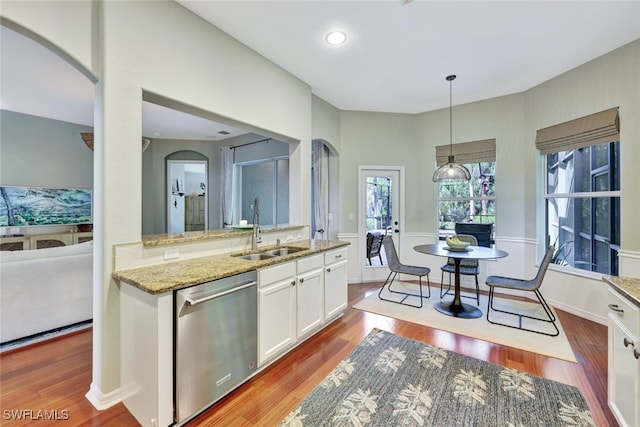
column 467, row 201
column 583, row 206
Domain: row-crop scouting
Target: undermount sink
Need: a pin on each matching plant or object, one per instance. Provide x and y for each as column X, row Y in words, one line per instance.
column 272, row 253
column 283, row 251
column 255, row 257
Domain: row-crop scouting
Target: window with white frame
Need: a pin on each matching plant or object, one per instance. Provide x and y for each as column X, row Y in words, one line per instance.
column 583, row 207
column 467, row 201
column 582, row 191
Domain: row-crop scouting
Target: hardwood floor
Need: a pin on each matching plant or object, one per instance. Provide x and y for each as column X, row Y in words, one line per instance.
column 55, row 375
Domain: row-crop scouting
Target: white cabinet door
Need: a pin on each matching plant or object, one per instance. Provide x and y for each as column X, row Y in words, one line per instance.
column 624, row 372
column 310, row 301
column 276, row 311
column 624, row 360
column 335, row 282
column 335, row 289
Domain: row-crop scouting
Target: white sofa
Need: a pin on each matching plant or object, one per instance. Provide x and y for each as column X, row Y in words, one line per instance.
column 45, row 289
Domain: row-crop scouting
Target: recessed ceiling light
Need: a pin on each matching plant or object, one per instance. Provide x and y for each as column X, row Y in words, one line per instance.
column 336, row 37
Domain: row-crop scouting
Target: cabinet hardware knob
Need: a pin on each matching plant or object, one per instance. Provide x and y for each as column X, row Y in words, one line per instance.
column 293, row 283
column 636, row 354
column 328, row 270
column 614, row 307
column 627, row 342
column 338, row 256
column 301, row 279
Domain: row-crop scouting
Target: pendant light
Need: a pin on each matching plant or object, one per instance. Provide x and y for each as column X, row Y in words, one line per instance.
column 451, row 170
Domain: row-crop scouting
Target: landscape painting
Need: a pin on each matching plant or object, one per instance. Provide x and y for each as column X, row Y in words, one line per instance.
column 25, row 206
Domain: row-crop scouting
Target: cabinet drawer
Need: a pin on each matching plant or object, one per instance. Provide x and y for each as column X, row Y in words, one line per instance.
column 279, row 272
column 626, row 312
column 335, row 256
column 309, row 263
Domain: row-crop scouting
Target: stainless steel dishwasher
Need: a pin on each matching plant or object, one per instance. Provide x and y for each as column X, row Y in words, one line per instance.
column 215, row 342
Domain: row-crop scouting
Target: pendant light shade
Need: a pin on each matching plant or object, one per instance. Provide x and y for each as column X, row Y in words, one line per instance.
column 451, row 170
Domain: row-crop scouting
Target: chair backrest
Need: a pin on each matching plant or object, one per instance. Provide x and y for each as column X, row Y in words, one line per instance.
column 374, row 243
column 482, row 232
column 544, row 265
column 466, row 262
column 390, row 250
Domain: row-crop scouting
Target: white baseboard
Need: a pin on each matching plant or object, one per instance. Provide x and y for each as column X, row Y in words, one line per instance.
column 578, row 312
column 102, row 401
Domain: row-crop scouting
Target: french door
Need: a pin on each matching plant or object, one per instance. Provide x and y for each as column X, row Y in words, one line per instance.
column 380, row 211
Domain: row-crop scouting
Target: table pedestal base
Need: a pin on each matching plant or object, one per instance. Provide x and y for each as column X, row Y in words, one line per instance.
column 464, row 311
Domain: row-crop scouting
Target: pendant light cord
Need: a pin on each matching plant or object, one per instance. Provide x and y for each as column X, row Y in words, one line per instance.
column 451, row 78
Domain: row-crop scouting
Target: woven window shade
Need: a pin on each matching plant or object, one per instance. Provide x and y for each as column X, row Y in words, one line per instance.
column 589, row 130
column 468, row 152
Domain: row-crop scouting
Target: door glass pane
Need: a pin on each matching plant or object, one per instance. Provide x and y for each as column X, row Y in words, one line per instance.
column 379, row 207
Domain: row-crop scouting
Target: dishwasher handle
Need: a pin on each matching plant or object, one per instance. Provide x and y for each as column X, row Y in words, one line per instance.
column 191, row 303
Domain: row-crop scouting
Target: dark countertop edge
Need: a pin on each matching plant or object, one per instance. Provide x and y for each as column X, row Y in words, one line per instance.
column 195, row 236
column 129, row 276
column 618, row 284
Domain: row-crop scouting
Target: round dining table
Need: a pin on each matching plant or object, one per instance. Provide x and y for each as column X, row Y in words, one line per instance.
column 456, row 307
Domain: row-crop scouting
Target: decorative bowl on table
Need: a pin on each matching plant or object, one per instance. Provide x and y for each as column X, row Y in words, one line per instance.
column 454, row 244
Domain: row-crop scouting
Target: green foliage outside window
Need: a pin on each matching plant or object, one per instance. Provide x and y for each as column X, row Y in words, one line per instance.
column 468, row 201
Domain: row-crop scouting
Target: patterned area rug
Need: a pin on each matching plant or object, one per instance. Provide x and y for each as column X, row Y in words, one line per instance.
column 389, row 380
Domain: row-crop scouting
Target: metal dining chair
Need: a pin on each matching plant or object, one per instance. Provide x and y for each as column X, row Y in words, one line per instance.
column 396, row 267
column 468, row 267
column 532, row 285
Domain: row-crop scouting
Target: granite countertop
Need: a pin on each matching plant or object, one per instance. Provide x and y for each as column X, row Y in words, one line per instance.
column 191, row 236
column 627, row 286
column 175, row 275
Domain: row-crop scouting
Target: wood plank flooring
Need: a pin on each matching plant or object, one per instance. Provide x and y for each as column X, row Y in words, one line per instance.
column 54, row 376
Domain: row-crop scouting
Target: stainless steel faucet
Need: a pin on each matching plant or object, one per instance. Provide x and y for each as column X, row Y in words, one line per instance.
column 255, row 237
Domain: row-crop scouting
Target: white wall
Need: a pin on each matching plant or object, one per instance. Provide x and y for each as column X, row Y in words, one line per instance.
column 40, row 152
column 162, row 48
column 378, row 138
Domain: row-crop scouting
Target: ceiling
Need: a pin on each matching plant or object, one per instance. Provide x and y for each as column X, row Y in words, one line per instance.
column 395, row 59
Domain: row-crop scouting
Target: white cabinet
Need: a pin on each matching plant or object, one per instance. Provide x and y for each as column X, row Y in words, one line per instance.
column 624, row 359
column 297, row 298
column 335, row 282
column 310, row 292
column 276, row 310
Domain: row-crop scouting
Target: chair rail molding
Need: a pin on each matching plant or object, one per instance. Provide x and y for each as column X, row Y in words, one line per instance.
column 629, row 263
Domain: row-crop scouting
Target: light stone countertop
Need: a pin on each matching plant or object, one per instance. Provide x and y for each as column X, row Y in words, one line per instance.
column 191, row 236
column 175, row 275
column 627, row 286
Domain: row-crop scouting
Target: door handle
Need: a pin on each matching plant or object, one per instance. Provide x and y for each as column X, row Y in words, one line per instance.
column 189, row 303
column 396, row 230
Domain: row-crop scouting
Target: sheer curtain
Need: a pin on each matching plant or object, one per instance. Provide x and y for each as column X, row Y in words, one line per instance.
column 226, row 186
column 320, row 190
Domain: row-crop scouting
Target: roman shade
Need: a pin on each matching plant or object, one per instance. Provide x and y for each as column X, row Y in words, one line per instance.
column 589, row 130
column 468, row 152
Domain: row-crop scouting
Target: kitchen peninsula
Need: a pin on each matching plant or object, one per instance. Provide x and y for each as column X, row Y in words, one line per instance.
column 299, row 291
